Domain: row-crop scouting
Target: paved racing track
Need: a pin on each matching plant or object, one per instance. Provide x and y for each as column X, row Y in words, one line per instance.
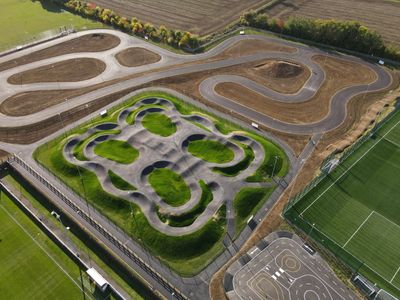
column 172, row 64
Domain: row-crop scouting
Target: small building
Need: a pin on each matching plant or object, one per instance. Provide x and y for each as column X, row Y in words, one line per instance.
column 97, row 278
column 365, row 286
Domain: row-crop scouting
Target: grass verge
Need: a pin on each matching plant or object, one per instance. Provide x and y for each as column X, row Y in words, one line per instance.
column 119, row 182
column 247, row 202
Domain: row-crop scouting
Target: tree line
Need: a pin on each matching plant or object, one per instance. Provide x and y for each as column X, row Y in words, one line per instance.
column 175, row 38
column 350, row 35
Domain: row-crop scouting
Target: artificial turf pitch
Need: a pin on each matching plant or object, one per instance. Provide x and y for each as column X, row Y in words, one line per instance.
column 357, row 206
column 31, row 265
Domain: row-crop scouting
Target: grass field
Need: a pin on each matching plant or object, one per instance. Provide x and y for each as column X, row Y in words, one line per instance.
column 24, row 20
column 211, row 151
column 357, row 206
column 134, row 286
column 32, row 266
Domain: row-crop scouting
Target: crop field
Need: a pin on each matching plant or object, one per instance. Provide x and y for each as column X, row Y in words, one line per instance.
column 199, row 17
column 25, row 20
column 188, row 164
column 356, row 208
column 32, row 266
column 382, row 16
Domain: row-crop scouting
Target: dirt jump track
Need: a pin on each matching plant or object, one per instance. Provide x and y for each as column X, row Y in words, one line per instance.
column 267, row 69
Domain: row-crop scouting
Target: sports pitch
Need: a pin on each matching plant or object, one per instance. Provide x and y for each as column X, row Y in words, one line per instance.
column 32, row 266
column 357, row 207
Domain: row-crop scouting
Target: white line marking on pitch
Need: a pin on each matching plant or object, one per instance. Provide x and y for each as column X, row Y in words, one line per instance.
column 392, row 142
column 359, row 227
column 395, row 275
column 345, row 172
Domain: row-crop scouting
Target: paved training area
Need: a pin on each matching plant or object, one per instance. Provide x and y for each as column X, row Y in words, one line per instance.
column 280, row 268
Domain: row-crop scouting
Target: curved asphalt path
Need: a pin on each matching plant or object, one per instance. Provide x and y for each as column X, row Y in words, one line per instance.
column 169, row 61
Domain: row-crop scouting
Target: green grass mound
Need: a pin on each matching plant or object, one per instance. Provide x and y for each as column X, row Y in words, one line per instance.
column 275, row 161
column 119, row 151
column 119, row 182
column 189, row 217
column 170, row 186
column 159, row 124
column 78, row 149
column 247, row 202
column 211, row 151
column 130, row 119
column 234, row 170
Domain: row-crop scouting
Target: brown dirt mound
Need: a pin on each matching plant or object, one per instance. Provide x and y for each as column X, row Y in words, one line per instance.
column 280, row 69
column 70, row 70
column 87, row 43
column 136, row 56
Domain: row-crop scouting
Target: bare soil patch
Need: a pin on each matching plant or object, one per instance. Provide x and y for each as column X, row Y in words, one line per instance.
column 199, row 17
column 87, row 43
column 379, row 15
column 280, row 69
column 136, row 56
column 249, row 47
column 70, row 70
column 339, row 74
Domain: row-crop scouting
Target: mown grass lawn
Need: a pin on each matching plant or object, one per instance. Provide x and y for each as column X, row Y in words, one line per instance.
column 119, row 151
column 170, row 186
column 29, row 260
column 21, row 21
column 211, row 151
column 159, row 124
